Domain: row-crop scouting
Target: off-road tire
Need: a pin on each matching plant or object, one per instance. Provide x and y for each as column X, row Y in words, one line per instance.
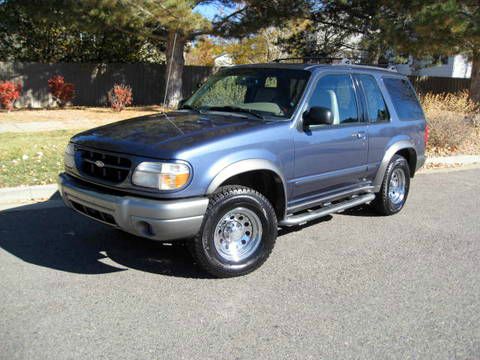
column 227, row 198
column 382, row 204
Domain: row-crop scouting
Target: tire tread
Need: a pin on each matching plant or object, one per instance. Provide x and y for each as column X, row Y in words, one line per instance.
column 196, row 247
column 380, row 204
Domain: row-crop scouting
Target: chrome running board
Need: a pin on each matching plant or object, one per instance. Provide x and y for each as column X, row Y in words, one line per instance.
column 291, row 220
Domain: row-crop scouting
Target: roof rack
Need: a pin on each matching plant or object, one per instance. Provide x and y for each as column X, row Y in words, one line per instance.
column 330, row 61
column 311, row 60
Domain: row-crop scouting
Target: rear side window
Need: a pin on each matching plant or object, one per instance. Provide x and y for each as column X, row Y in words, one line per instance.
column 376, row 107
column 404, row 99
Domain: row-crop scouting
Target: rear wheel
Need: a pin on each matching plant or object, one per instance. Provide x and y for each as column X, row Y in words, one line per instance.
column 238, row 232
column 395, row 186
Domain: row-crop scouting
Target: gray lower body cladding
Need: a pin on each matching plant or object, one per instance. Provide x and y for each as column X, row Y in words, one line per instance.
column 154, row 219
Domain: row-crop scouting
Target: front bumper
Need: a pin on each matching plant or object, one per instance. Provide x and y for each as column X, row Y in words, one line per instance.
column 154, row 219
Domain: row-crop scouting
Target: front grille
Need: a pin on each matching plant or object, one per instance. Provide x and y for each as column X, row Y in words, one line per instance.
column 99, row 215
column 104, row 166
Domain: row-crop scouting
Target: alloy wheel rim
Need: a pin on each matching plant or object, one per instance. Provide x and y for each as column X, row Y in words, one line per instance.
column 238, row 234
column 397, row 186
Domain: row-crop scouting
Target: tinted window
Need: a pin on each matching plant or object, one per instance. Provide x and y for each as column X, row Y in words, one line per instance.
column 336, row 93
column 376, row 107
column 404, row 99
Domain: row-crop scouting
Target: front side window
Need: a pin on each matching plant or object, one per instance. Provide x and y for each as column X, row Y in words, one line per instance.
column 376, row 107
column 268, row 92
column 336, row 93
column 404, row 99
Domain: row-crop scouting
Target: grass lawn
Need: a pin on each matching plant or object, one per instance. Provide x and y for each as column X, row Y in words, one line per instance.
column 33, row 155
column 32, row 158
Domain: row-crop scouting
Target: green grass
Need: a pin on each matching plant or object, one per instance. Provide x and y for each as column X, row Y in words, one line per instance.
column 32, row 158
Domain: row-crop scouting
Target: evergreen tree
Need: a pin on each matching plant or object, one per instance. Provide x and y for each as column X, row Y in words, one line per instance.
column 175, row 22
column 420, row 28
column 51, row 31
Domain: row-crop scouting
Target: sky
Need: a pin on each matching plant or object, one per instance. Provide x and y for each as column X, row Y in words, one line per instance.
column 210, row 10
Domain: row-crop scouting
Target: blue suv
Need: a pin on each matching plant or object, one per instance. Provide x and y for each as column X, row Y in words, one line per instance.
column 255, row 148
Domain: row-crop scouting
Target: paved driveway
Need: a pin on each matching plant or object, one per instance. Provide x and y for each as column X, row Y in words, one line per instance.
column 351, row 286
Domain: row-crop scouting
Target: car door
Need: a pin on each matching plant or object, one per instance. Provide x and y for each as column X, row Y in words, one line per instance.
column 380, row 130
column 330, row 158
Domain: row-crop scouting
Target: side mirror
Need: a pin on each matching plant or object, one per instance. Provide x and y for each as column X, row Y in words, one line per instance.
column 317, row 115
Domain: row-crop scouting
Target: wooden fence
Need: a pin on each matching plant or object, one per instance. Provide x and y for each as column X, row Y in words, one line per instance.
column 92, row 81
column 438, row 85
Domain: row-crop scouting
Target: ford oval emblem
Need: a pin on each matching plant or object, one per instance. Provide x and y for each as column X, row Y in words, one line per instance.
column 99, row 163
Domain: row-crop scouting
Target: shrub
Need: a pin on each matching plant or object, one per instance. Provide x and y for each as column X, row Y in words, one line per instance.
column 61, row 91
column 459, row 102
column 9, row 92
column 448, row 132
column 452, row 120
column 120, row 96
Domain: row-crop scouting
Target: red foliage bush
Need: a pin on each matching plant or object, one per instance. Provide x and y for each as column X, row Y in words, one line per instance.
column 61, row 91
column 120, row 96
column 9, row 92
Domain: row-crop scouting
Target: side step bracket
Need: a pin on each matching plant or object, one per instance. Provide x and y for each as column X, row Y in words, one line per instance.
column 298, row 219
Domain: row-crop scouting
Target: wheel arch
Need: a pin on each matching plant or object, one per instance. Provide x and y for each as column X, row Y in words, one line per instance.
column 259, row 174
column 404, row 148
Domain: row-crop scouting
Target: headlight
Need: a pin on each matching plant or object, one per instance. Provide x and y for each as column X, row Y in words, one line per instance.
column 161, row 176
column 69, row 156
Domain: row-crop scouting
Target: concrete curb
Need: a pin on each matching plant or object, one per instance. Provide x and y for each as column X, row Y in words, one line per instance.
column 31, row 193
column 27, row 193
column 456, row 159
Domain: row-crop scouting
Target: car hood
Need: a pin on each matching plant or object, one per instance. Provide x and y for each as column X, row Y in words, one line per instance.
column 162, row 135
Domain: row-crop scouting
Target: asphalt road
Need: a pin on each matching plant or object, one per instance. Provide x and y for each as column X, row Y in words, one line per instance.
column 351, row 286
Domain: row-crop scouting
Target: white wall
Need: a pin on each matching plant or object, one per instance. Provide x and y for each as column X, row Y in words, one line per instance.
column 223, row 60
column 462, row 67
column 458, row 66
column 404, row 69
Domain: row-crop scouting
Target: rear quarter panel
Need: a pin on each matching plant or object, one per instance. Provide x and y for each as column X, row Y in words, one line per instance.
column 384, row 136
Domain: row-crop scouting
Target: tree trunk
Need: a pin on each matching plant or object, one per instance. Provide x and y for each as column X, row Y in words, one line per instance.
column 475, row 78
column 174, row 69
column 373, row 53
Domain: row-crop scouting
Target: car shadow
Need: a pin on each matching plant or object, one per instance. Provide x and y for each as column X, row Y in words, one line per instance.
column 287, row 230
column 362, row 210
column 50, row 235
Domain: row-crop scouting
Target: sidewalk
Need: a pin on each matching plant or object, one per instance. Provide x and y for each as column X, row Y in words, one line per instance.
column 454, row 160
column 67, row 119
column 36, row 126
column 41, row 196
column 27, row 193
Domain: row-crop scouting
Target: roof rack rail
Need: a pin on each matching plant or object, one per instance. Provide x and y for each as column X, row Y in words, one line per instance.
column 310, row 60
column 331, row 60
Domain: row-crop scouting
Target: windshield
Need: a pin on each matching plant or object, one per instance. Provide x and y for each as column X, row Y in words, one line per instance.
column 258, row 91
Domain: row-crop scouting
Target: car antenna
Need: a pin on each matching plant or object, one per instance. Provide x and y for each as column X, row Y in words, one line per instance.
column 171, row 122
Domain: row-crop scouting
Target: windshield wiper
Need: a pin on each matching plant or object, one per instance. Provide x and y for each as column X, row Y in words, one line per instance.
column 235, row 109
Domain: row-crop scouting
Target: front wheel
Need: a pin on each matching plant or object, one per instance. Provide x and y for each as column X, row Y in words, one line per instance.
column 395, row 186
column 238, row 232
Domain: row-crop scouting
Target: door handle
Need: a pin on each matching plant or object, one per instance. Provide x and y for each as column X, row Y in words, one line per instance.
column 360, row 135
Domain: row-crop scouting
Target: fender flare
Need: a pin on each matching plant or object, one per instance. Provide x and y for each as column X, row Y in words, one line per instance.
column 243, row 166
column 392, row 150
